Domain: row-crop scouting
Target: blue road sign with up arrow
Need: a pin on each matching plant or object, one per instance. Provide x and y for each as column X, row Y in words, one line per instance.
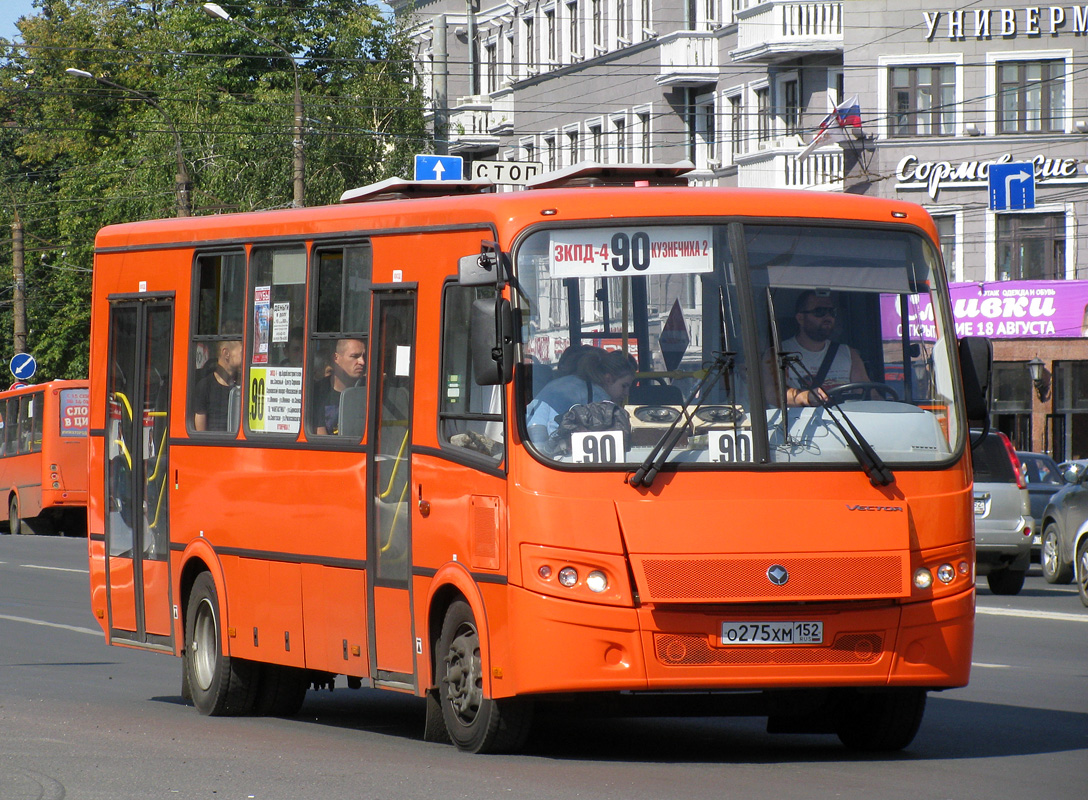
column 23, row 366
column 1012, row 186
column 439, row 168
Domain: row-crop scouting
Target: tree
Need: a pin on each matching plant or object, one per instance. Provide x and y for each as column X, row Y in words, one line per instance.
column 76, row 155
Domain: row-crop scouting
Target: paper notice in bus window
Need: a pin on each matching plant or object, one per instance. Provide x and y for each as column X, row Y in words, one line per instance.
column 404, row 360
column 262, row 296
column 74, row 412
column 275, row 399
column 612, row 252
column 281, row 322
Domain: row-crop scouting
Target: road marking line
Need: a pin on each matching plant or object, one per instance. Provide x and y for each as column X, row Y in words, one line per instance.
column 42, row 622
column 1056, row 616
column 56, row 569
column 990, row 666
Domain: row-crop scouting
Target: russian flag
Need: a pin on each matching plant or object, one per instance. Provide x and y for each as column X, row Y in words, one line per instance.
column 841, row 125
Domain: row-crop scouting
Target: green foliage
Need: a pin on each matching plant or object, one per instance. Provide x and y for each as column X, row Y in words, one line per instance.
column 76, row 154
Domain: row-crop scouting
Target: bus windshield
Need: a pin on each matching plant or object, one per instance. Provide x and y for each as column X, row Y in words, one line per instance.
column 717, row 345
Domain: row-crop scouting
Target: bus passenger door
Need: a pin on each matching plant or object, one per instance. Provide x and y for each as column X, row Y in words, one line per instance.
column 389, row 544
column 137, row 471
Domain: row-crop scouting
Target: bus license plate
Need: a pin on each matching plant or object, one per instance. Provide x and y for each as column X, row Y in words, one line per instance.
column 772, row 633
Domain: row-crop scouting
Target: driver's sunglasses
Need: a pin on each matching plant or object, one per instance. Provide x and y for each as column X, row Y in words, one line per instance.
column 822, row 311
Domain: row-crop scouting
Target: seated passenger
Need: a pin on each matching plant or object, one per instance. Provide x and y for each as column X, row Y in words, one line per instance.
column 211, row 397
column 823, row 361
column 348, row 369
column 599, row 376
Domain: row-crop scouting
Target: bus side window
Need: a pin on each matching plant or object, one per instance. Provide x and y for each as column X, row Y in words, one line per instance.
column 470, row 416
column 274, row 371
column 339, row 343
column 11, row 427
column 215, row 363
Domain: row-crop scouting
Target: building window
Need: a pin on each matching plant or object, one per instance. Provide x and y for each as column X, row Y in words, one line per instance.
column 706, row 132
column 1030, row 247
column 736, row 125
column 946, row 232
column 573, row 30
column 791, row 106
column 549, row 23
column 647, row 22
column 1031, row 96
column 551, row 160
column 598, row 26
column 642, row 142
column 596, row 140
column 511, row 58
column 530, row 47
column 619, row 131
column 763, row 113
column 492, row 52
column 574, row 149
column 923, row 100
column 623, row 22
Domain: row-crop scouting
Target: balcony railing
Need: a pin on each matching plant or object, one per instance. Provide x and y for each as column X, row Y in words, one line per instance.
column 688, row 58
column 779, row 168
column 782, row 29
column 477, row 122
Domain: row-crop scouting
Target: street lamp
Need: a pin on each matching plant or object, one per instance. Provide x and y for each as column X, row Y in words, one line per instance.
column 297, row 161
column 181, row 180
column 1039, row 376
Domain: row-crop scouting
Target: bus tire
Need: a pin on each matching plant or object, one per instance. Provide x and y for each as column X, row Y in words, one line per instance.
column 220, row 685
column 883, row 720
column 475, row 723
column 14, row 523
column 282, row 690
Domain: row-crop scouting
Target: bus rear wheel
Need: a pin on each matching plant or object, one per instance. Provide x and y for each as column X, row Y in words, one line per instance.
column 881, row 720
column 475, row 722
column 219, row 685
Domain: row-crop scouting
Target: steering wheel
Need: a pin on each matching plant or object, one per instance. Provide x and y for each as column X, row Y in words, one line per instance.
column 860, row 391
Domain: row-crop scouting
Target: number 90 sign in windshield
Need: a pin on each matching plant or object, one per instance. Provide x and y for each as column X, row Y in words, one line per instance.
column 657, row 250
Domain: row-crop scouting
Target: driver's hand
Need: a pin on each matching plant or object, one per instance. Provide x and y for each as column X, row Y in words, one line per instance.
column 813, row 397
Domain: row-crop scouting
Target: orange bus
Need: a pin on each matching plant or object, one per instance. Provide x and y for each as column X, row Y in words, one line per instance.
column 43, row 457
column 500, row 449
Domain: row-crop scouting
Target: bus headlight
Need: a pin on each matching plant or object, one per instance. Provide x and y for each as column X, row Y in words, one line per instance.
column 946, row 573
column 568, row 576
column 923, row 578
column 597, row 581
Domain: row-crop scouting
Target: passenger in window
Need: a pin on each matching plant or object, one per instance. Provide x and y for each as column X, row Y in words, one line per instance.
column 348, row 368
column 825, row 362
column 211, row 397
column 598, row 376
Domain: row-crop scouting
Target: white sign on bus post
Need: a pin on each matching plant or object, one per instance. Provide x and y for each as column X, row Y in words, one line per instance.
column 506, row 173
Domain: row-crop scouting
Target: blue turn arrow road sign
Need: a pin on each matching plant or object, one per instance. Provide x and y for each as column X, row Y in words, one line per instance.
column 1012, row 186
column 23, row 366
column 439, row 168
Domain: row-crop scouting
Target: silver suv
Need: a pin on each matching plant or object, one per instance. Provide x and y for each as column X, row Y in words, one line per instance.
column 1003, row 521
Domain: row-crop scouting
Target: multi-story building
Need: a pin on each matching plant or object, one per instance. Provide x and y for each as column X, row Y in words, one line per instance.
column 739, row 87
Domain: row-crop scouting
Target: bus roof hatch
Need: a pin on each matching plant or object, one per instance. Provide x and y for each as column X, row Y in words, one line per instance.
column 591, row 173
column 400, row 189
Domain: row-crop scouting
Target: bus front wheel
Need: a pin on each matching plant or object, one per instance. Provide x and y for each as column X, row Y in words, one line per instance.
column 881, row 720
column 475, row 722
column 219, row 685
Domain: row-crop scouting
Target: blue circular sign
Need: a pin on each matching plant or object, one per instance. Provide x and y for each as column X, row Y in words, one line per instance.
column 23, row 366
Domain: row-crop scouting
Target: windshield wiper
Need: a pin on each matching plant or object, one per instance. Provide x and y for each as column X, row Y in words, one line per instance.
column 647, row 471
column 877, row 471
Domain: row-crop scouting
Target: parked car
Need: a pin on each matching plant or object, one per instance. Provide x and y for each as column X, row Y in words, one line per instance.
column 1065, row 534
column 1003, row 522
column 1043, row 479
column 1076, row 464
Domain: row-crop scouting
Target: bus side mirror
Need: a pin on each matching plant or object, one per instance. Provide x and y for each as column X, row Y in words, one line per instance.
column 481, row 269
column 491, row 337
column 976, row 368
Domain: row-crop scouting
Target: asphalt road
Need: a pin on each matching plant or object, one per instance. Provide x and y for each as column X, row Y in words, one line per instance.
column 82, row 720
